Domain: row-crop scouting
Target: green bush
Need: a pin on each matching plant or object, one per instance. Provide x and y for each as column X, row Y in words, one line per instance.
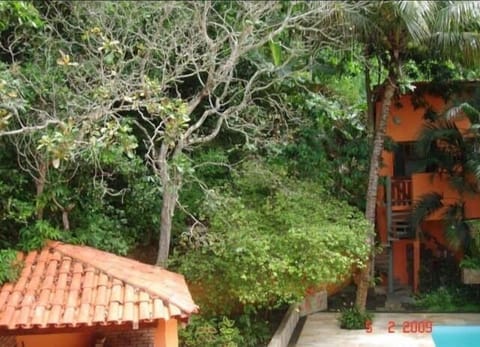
column 246, row 330
column 213, row 332
column 103, row 232
column 440, row 300
column 255, row 331
column 10, row 267
column 353, row 318
column 449, row 299
column 34, row 236
column 268, row 239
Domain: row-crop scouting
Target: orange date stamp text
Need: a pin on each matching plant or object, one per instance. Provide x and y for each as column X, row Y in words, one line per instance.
column 405, row 327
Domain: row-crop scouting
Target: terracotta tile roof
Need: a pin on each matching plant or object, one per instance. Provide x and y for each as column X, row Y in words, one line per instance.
column 67, row 286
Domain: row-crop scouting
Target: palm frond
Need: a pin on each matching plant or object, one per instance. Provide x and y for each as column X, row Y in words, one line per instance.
column 453, row 15
column 416, row 16
column 464, row 109
column 452, row 32
column 457, row 235
column 427, row 204
column 457, row 231
column 461, row 184
column 471, row 112
column 442, row 146
column 473, row 165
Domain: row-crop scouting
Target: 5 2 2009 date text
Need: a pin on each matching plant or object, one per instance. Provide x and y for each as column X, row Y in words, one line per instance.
column 406, row 327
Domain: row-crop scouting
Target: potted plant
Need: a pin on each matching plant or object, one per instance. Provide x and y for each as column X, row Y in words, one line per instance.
column 352, row 318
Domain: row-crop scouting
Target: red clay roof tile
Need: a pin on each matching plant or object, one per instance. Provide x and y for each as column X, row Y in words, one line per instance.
column 114, row 312
column 54, row 315
column 84, row 313
column 30, row 259
column 66, row 285
column 5, row 293
column 38, row 315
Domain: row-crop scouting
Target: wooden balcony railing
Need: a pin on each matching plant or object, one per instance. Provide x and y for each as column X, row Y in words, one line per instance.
column 401, row 192
column 398, row 208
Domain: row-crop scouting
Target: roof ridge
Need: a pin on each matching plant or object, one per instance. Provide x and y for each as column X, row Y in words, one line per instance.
column 123, row 272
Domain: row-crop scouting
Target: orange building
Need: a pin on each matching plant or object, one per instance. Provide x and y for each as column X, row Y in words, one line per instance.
column 402, row 184
column 77, row 296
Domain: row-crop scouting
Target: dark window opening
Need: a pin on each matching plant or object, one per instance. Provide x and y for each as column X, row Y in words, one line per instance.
column 406, row 160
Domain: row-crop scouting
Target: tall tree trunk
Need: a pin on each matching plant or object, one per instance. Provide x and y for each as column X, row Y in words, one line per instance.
column 370, row 101
column 171, row 181
column 365, row 275
column 170, row 195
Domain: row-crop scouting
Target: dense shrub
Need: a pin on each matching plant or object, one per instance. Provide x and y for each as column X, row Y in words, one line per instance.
column 214, row 332
column 221, row 331
column 268, row 240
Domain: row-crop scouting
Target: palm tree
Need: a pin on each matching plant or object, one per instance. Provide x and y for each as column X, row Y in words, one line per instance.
column 389, row 31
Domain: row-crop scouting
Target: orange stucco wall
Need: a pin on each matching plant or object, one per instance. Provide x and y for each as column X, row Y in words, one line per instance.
column 166, row 334
column 423, row 183
column 56, row 340
column 472, row 206
column 400, row 270
column 405, row 122
column 386, row 167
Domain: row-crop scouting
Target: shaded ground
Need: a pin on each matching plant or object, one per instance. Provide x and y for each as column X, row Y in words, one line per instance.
column 346, row 298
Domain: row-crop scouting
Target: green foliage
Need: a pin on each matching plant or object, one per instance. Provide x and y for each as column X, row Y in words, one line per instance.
column 213, row 332
column 470, row 263
column 221, row 331
column 17, row 204
column 34, row 235
column 102, row 231
column 330, row 146
column 353, row 318
column 448, row 299
column 254, row 330
column 21, row 13
column 10, row 267
column 340, row 75
column 255, row 252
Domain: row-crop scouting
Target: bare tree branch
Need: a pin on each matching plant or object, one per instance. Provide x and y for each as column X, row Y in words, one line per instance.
column 28, row 129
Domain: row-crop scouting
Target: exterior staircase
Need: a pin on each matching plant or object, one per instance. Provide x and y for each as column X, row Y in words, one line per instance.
column 381, row 261
column 401, row 225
